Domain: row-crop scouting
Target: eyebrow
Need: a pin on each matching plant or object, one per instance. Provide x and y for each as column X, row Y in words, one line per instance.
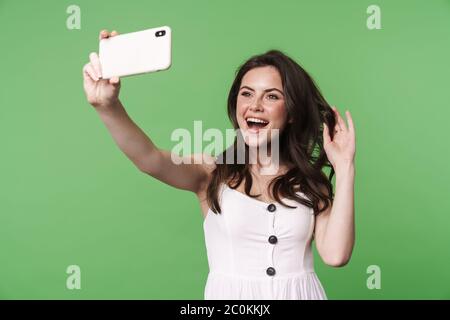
column 267, row 90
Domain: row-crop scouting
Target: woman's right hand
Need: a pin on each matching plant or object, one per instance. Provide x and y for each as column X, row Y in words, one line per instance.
column 100, row 92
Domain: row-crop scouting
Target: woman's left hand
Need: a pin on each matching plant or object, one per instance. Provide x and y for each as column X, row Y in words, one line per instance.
column 341, row 150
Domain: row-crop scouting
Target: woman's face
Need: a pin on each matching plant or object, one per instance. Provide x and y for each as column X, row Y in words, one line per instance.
column 261, row 105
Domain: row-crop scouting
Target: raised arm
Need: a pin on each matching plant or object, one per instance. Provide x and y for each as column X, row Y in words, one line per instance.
column 335, row 227
column 103, row 95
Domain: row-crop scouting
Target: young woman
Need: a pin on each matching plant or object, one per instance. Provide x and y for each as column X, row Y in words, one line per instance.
column 258, row 227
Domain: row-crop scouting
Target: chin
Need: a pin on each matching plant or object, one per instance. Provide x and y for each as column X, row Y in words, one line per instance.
column 258, row 138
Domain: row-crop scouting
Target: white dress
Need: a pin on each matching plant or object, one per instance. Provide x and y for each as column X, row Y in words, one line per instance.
column 260, row 251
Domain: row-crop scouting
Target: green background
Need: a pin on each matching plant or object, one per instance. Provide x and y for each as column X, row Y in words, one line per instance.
column 69, row 196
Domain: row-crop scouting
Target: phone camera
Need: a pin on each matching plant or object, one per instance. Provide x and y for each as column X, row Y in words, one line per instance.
column 160, row 33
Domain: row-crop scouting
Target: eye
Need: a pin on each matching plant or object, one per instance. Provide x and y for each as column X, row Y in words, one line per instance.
column 273, row 97
column 245, row 94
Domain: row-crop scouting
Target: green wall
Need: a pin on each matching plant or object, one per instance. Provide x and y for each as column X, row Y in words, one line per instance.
column 68, row 196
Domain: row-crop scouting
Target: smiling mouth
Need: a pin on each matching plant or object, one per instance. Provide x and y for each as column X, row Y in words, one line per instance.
column 255, row 124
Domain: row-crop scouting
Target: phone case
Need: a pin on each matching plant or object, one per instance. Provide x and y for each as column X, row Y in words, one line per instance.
column 136, row 52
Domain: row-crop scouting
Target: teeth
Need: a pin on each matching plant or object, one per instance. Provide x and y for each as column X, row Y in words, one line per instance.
column 257, row 120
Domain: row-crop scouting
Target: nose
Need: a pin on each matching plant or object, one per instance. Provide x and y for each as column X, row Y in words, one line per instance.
column 256, row 105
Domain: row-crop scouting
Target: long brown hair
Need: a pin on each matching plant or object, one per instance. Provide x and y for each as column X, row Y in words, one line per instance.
column 300, row 143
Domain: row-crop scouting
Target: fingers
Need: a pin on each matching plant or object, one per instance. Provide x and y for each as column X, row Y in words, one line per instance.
column 326, row 134
column 340, row 122
column 95, row 62
column 104, row 34
column 114, row 81
column 93, row 69
column 89, row 73
column 350, row 121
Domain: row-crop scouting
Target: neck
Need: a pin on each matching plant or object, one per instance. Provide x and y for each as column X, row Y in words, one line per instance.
column 263, row 162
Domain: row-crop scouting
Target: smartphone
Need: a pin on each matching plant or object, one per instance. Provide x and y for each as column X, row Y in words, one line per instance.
column 137, row 52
